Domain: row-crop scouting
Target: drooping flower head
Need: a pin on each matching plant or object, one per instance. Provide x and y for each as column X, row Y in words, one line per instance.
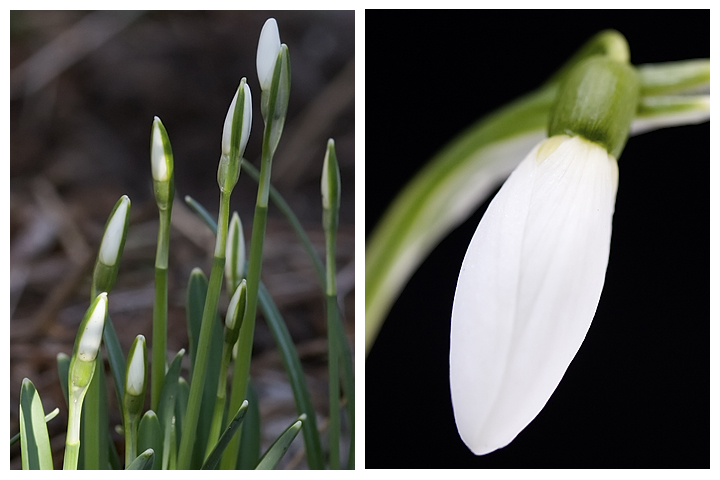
column 533, row 273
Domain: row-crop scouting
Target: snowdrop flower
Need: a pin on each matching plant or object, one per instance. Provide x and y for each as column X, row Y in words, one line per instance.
column 91, row 330
column 267, row 53
column 532, row 276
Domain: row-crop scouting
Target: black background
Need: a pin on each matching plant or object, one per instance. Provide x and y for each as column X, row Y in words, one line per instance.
column 637, row 394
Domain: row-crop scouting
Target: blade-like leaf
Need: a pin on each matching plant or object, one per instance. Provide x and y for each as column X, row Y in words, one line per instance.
column 214, row 457
column 144, row 461
column 250, row 433
column 34, row 438
column 16, row 438
column 150, row 435
column 166, row 406
column 280, row 446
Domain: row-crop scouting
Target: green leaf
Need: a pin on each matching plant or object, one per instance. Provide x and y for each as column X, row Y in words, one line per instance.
column 34, row 438
column 280, row 446
column 181, row 404
column 16, row 438
column 150, row 435
column 144, row 461
column 195, row 302
column 250, row 433
column 166, row 406
column 115, row 358
column 293, row 367
column 214, row 457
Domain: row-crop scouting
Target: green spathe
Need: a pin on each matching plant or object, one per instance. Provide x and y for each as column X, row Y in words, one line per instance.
column 597, row 100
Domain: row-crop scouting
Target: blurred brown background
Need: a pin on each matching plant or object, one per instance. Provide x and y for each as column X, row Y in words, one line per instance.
column 84, row 89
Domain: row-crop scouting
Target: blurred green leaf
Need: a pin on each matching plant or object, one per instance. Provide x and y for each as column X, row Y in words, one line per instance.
column 276, row 451
column 34, row 438
column 150, row 435
column 144, row 461
column 214, row 457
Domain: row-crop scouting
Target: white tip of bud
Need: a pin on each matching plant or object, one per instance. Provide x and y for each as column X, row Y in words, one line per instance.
column 267, row 52
column 92, row 335
column 157, row 153
column 114, row 233
column 136, row 370
column 246, row 121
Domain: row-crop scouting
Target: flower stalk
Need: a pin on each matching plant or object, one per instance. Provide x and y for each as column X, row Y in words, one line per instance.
column 330, row 190
column 80, row 374
column 162, row 166
column 134, row 397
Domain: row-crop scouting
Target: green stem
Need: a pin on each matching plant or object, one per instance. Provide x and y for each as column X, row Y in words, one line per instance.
column 333, row 349
column 160, row 308
column 72, row 442
column 334, row 382
column 130, row 440
column 203, row 350
column 217, row 419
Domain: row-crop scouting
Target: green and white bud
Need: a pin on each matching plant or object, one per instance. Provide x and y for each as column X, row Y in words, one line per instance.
column 111, row 247
column 161, row 160
column 330, row 187
column 234, row 253
column 267, row 52
column 135, row 379
column 238, row 121
column 235, row 313
column 114, row 237
column 91, row 329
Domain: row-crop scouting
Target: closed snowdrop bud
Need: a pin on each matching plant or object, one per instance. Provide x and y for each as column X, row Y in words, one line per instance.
column 267, row 52
column 91, row 335
column 135, row 383
column 244, row 120
column 533, row 273
column 234, row 253
column 114, row 233
column 158, row 159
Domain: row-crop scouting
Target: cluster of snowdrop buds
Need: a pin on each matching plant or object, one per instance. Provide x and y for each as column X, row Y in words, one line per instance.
column 532, row 276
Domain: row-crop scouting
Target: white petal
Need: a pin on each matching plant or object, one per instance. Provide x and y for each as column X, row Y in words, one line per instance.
column 528, row 288
column 267, row 52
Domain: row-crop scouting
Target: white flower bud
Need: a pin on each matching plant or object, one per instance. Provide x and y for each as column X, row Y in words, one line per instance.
column 136, row 370
column 246, row 121
column 92, row 334
column 234, row 252
column 232, row 312
column 114, row 233
column 160, row 171
column 267, row 52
